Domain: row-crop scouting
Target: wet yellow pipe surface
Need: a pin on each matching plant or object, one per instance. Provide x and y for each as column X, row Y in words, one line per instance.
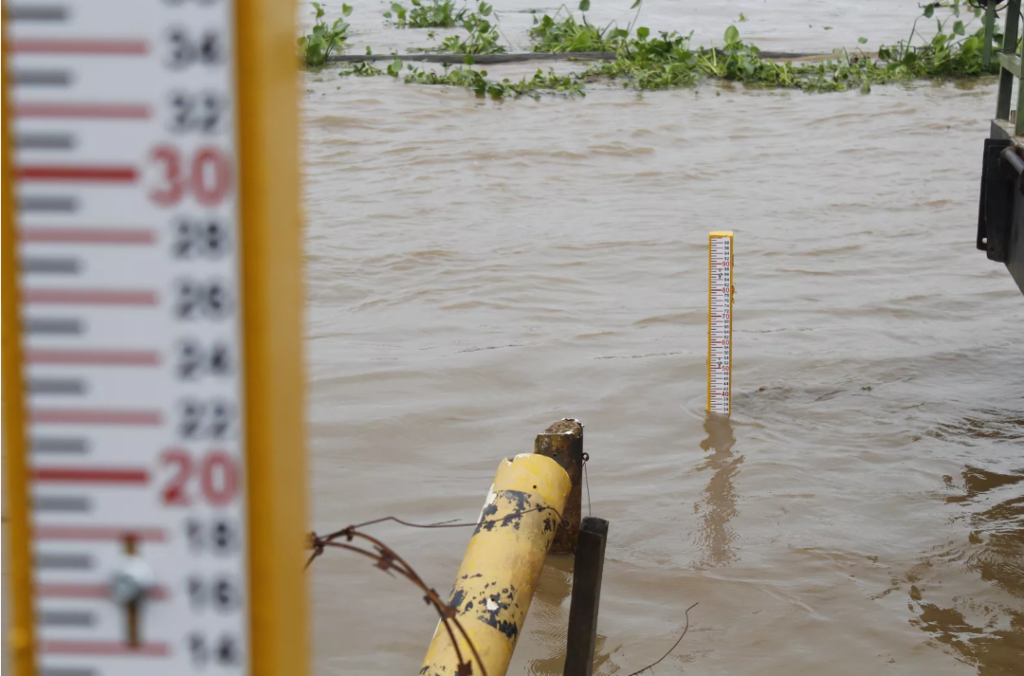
column 503, row 562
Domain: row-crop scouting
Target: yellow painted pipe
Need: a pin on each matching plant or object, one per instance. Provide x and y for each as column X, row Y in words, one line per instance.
column 502, row 565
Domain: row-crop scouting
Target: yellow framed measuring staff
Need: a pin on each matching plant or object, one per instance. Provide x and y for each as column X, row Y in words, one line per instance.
column 152, row 338
column 720, row 296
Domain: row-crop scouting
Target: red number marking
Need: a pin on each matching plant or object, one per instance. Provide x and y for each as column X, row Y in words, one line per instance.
column 217, row 475
column 211, row 176
column 172, row 187
column 208, row 179
column 174, row 492
column 219, row 478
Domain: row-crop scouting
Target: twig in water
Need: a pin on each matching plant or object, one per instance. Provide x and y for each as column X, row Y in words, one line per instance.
column 650, row 667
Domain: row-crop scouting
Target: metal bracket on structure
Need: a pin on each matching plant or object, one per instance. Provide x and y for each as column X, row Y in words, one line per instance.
column 581, row 640
column 995, row 212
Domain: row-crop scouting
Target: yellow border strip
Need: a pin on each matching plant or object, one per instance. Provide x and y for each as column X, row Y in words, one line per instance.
column 707, row 363
column 273, row 328
column 18, row 547
column 732, row 290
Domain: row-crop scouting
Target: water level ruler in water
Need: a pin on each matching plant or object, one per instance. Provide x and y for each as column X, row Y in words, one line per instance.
column 720, row 292
column 152, row 338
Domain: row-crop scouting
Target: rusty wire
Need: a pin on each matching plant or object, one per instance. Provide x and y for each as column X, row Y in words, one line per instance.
column 586, row 480
column 650, row 667
column 447, row 524
column 388, row 560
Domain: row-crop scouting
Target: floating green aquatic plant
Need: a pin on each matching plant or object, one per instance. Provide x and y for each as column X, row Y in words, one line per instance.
column 324, row 38
column 646, row 62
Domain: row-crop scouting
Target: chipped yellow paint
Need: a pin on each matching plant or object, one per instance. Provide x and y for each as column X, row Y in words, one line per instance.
column 502, row 565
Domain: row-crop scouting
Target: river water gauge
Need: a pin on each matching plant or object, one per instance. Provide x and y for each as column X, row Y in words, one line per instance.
column 152, row 338
column 720, row 293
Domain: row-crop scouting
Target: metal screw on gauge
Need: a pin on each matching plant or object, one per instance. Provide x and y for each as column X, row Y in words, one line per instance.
column 131, row 582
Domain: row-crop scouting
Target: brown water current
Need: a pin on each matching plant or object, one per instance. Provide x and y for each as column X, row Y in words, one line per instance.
column 479, row 269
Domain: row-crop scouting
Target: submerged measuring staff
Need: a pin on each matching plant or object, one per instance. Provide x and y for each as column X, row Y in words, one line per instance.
column 720, row 295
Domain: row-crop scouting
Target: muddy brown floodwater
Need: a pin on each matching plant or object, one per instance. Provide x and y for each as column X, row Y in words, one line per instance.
column 478, row 269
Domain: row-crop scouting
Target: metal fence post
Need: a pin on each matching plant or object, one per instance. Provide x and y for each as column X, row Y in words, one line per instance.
column 586, row 597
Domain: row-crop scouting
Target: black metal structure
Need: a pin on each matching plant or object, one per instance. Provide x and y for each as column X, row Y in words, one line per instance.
column 586, row 597
column 1001, row 205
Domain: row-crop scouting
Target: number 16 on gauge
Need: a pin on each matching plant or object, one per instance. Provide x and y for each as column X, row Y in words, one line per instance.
column 152, row 338
column 720, row 293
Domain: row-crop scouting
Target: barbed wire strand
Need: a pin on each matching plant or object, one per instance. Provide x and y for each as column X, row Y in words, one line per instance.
column 387, row 560
column 443, row 524
column 650, row 667
column 586, row 480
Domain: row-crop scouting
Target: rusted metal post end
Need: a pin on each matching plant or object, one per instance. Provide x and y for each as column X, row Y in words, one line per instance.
column 502, row 565
column 563, row 443
column 586, row 597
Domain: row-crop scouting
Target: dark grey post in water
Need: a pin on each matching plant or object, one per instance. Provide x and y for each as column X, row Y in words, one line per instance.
column 586, row 597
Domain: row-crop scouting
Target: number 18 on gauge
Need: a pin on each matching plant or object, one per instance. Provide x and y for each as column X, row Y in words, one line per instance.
column 151, row 261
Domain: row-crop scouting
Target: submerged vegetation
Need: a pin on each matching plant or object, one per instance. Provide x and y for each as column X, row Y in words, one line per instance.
column 563, row 33
column 647, row 62
column 477, row 80
column 317, row 45
column 483, row 35
column 429, row 14
column 533, row 86
column 668, row 60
